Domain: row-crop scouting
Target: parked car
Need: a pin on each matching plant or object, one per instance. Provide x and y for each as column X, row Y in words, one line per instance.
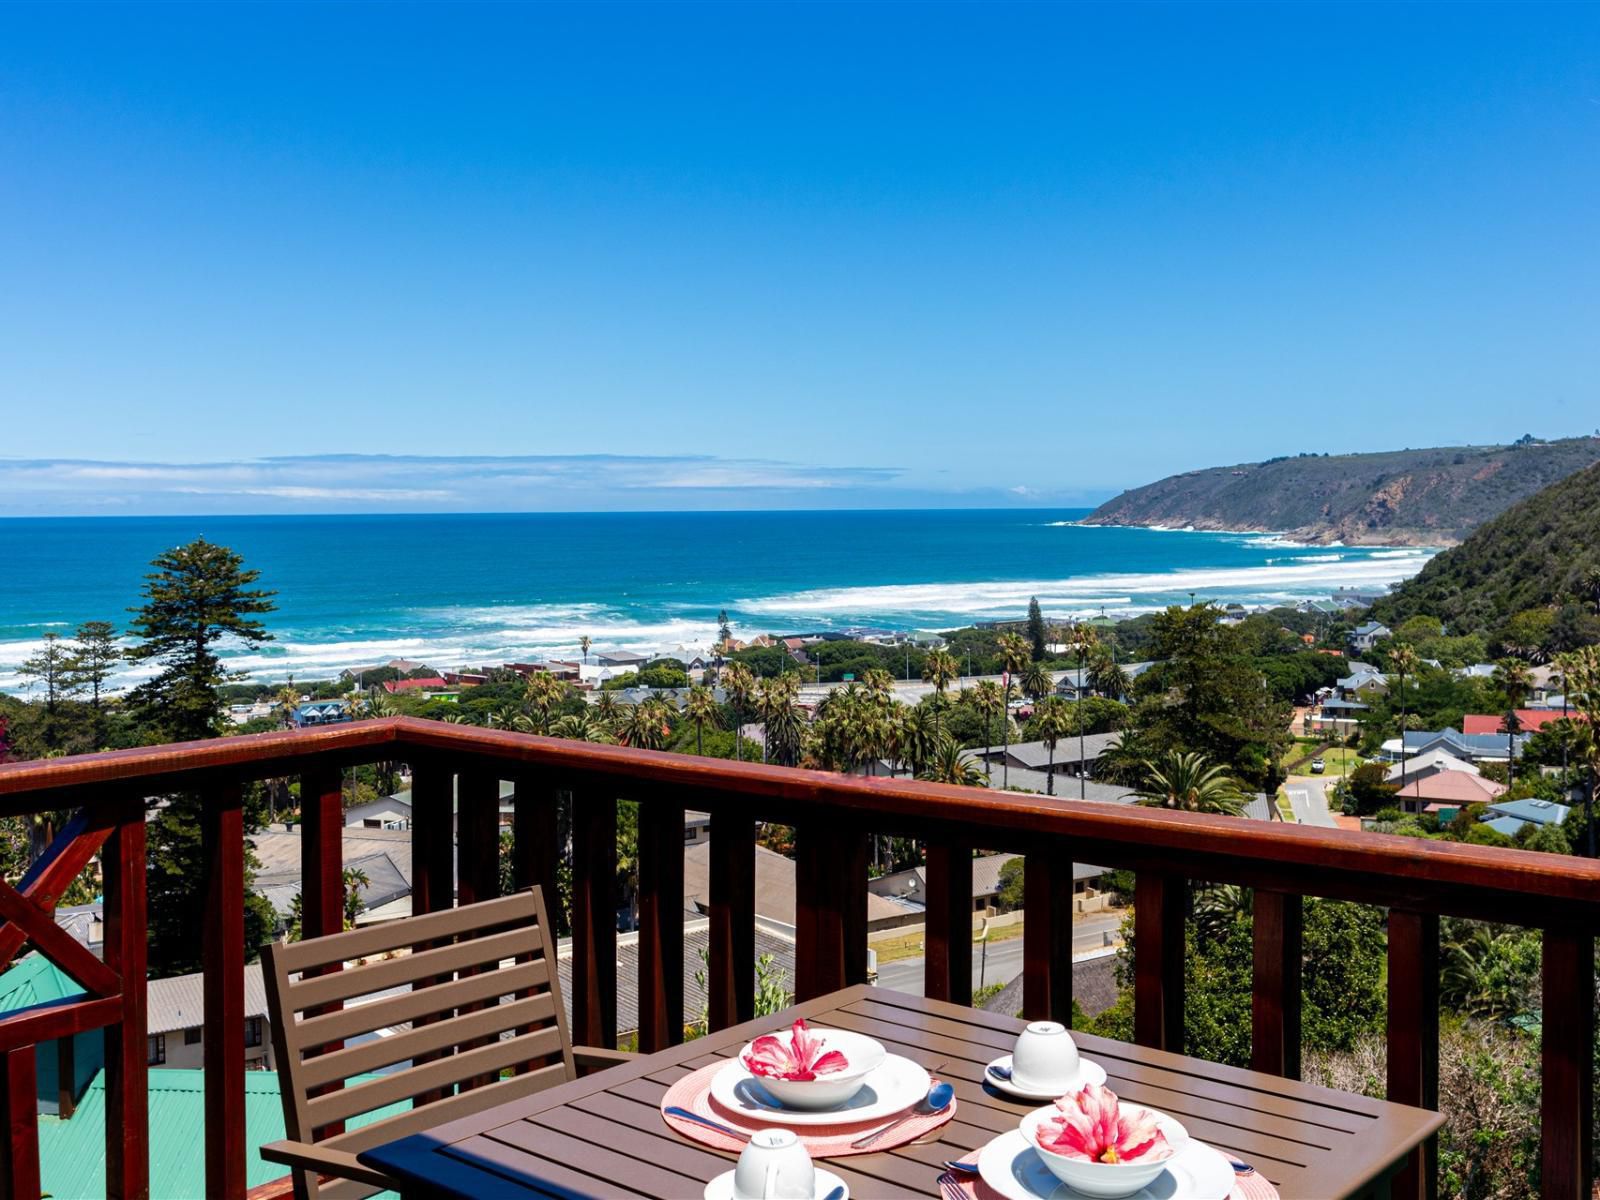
column 1318, row 766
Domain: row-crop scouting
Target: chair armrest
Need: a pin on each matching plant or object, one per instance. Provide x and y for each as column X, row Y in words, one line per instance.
column 321, row 1159
column 598, row 1057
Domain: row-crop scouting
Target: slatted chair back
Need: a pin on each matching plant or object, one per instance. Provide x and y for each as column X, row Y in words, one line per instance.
column 469, row 1004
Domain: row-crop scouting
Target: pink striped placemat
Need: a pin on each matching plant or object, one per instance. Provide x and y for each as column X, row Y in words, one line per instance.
column 1247, row 1185
column 693, row 1092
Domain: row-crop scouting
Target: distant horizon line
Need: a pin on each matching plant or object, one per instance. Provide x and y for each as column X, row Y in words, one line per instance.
column 555, row 512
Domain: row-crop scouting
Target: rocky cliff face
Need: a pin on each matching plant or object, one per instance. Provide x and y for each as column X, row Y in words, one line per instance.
column 1402, row 497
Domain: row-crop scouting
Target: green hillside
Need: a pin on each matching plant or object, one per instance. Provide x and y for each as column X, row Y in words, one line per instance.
column 1428, row 497
column 1542, row 553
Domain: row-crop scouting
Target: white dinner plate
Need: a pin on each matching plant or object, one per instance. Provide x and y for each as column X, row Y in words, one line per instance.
column 1088, row 1072
column 721, row 1188
column 893, row 1087
column 1009, row 1165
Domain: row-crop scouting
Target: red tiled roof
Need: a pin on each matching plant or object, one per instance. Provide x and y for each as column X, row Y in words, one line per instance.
column 413, row 685
column 1453, row 787
column 1531, row 718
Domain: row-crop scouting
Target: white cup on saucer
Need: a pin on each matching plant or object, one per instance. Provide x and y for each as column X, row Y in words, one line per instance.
column 1045, row 1058
column 774, row 1166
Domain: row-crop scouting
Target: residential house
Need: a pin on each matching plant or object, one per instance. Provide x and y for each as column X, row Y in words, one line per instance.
column 1509, row 816
column 175, row 1021
column 425, row 683
column 775, row 891
column 320, row 712
column 381, row 854
column 625, row 659
column 1068, row 758
column 912, row 884
column 386, row 812
column 1473, row 747
column 1529, row 720
column 1367, row 635
column 1333, row 715
column 1439, row 780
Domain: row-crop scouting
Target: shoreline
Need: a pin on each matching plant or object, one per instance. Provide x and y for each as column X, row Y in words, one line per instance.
column 1330, row 537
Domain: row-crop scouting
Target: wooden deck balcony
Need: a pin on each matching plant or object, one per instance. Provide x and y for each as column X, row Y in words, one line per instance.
column 1416, row 881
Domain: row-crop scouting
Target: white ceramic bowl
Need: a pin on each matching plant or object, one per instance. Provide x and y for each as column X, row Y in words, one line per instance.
column 863, row 1054
column 1104, row 1181
column 1045, row 1058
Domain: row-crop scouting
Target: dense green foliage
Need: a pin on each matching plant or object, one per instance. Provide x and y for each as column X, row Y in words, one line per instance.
column 1424, row 496
column 1541, row 554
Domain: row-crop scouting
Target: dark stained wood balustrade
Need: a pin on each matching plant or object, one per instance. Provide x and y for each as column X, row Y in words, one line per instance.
column 1416, row 881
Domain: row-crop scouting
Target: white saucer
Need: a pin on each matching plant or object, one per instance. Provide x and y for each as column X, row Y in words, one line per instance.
column 1088, row 1072
column 894, row 1086
column 1009, row 1165
column 721, row 1188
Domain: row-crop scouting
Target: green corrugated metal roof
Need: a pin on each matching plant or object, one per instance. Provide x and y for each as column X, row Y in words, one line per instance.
column 35, row 980
column 72, row 1153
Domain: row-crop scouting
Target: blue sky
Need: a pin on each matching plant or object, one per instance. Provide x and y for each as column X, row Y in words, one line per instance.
column 756, row 255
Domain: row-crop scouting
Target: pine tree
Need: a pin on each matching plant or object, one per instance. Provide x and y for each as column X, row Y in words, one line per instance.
column 198, row 595
column 51, row 668
column 94, row 653
column 1037, row 636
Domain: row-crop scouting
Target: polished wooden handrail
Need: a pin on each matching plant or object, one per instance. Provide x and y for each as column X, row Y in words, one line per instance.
column 1417, row 880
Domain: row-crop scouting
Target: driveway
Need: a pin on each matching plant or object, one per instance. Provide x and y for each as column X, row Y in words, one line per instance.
column 1308, row 796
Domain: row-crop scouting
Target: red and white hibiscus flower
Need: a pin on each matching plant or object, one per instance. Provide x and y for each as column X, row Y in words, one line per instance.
column 801, row 1058
column 1094, row 1127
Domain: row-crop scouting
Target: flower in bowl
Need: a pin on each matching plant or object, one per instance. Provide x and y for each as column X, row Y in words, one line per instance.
column 812, row 1069
column 1100, row 1146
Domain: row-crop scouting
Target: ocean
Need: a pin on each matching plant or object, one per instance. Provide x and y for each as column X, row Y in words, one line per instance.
column 455, row 590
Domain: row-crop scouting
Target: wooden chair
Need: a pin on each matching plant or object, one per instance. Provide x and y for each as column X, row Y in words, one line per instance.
column 463, row 1019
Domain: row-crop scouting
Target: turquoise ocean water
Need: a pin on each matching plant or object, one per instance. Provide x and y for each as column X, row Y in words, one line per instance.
column 468, row 589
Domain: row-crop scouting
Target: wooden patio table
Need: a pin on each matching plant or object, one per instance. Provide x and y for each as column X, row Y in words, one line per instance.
column 603, row 1136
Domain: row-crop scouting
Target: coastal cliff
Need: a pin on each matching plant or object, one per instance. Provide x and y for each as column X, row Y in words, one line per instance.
column 1393, row 498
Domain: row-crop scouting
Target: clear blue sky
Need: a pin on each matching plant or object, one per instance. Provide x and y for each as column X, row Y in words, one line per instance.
column 817, row 254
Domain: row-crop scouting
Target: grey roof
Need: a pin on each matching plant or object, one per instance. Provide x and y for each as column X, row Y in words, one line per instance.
column 775, row 886
column 1540, row 812
column 384, row 855
column 1370, row 629
column 1037, row 756
column 1335, row 702
column 1066, row 787
column 1094, row 988
column 180, row 1002
column 1463, row 745
column 1257, row 808
column 1419, row 766
column 696, row 938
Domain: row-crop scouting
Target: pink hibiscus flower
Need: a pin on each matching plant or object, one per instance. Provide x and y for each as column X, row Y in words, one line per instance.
column 1094, row 1127
column 802, row 1058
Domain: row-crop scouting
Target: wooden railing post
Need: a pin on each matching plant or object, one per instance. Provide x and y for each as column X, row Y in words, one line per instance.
column 947, row 962
column 731, row 980
column 478, row 836
column 222, row 844
column 830, row 945
column 1047, row 935
column 660, row 924
column 19, row 1125
column 1275, row 990
column 433, row 837
column 1413, row 1038
column 322, row 869
column 594, row 918
column 127, row 1067
column 1159, row 904
column 1566, row 1106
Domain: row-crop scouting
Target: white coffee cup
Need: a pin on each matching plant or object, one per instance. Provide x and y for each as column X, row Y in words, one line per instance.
column 774, row 1166
column 1045, row 1057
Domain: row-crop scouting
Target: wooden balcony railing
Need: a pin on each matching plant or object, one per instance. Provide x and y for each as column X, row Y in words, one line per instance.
column 1417, row 881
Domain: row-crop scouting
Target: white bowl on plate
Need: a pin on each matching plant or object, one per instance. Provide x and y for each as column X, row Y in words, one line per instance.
column 1105, row 1181
column 863, row 1055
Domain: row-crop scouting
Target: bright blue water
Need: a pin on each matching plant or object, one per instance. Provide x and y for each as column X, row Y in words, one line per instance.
column 456, row 589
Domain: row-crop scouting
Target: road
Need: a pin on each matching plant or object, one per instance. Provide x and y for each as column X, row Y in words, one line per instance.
column 1308, row 796
column 1005, row 958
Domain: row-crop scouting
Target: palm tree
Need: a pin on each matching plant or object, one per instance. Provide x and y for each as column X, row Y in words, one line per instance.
column 1106, row 678
column 920, row 736
column 1590, row 586
column 287, row 700
column 645, row 726
column 607, row 710
column 1051, row 723
column 540, row 695
column 1082, row 641
column 986, row 698
column 1515, row 679
column 702, row 710
column 580, row 727
column 1405, row 662
column 739, row 685
column 878, row 681
column 1016, row 654
column 947, row 765
column 1036, row 682
column 583, row 644
column 940, row 669
column 1190, row 782
column 782, row 728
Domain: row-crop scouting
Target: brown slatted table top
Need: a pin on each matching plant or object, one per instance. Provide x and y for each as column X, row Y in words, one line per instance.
column 603, row 1136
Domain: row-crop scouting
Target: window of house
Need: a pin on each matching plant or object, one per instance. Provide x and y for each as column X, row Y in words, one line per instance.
column 252, row 1031
column 191, row 1036
column 156, row 1049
